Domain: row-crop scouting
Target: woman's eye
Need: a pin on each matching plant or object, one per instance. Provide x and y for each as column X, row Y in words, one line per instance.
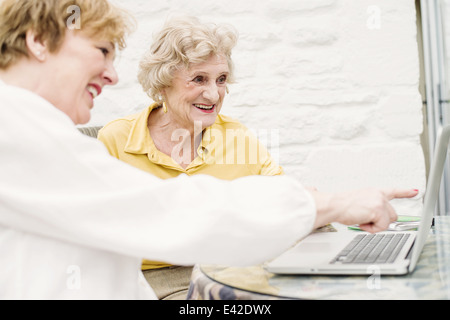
column 222, row 80
column 104, row 51
column 199, row 79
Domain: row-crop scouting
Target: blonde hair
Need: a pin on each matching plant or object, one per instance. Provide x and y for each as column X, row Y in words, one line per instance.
column 49, row 20
column 182, row 42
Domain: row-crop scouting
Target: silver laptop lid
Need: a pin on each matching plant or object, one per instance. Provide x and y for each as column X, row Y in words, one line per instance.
column 431, row 194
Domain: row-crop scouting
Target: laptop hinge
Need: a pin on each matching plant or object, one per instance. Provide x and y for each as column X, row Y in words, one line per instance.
column 408, row 256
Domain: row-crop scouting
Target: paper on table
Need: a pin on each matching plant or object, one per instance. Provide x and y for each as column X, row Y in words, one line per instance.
column 403, row 223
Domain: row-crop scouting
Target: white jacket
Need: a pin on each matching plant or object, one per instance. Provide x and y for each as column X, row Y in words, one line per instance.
column 75, row 222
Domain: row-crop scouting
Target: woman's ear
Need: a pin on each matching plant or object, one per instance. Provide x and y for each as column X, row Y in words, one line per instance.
column 36, row 47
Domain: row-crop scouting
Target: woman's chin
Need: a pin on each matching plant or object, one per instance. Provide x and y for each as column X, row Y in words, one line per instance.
column 82, row 118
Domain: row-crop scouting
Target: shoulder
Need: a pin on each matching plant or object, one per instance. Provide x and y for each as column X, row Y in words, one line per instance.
column 119, row 126
column 231, row 128
column 123, row 122
column 19, row 97
column 227, row 122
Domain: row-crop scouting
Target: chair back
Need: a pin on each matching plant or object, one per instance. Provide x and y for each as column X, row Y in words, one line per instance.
column 90, row 131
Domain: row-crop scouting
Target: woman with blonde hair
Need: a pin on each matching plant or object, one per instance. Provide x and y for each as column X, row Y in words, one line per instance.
column 75, row 223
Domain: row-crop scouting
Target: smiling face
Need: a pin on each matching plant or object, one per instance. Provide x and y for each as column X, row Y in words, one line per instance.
column 78, row 71
column 197, row 93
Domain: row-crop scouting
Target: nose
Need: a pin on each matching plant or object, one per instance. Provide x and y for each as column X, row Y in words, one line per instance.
column 211, row 92
column 110, row 76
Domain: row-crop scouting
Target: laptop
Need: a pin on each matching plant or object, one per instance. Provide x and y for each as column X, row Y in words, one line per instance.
column 358, row 253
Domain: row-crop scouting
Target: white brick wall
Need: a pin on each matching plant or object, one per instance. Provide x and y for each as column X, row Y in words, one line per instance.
column 334, row 81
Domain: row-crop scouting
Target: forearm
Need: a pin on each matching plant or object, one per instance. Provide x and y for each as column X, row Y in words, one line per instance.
column 325, row 212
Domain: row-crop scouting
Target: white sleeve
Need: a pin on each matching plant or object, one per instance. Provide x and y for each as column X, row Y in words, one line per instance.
column 57, row 183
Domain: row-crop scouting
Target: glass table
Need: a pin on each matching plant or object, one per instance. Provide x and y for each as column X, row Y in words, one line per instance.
column 430, row 279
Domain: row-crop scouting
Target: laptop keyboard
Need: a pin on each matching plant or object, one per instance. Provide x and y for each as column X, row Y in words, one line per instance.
column 372, row 248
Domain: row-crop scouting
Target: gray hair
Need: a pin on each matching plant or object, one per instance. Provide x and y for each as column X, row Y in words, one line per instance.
column 182, row 42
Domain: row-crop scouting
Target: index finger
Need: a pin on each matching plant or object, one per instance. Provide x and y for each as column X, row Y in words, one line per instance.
column 400, row 193
column 383, row 222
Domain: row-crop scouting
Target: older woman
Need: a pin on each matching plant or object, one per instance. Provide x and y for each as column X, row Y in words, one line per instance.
column 186, row 72
column 74, row 221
